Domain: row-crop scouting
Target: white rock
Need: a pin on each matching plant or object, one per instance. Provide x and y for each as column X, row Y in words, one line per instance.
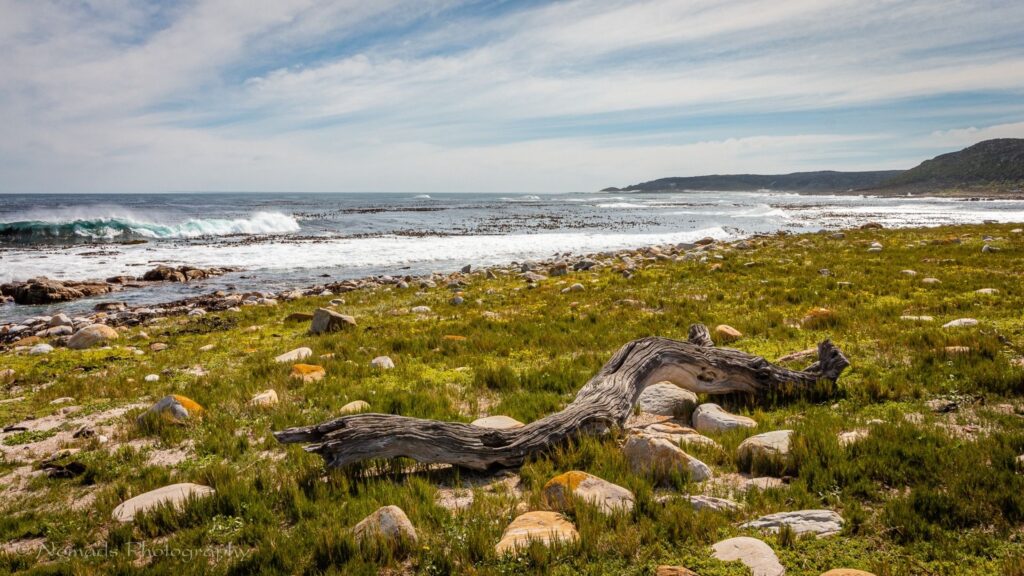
column 264, row 399
column 712, row 418
column 711, row 503
column 40, row 349
column 820, row 522
column 753, row 553
column 961, row 323
column 152, row 377
column 175, row 494
column 498, row 422
column 382, row 362
column 294, row 355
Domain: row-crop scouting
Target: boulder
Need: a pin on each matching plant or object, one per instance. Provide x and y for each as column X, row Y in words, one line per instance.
column 498, row 422
column 325, row 320
column 769, row 450
column 388, row 523
column 175, row 409
column 176, row 495
column 91, row 336
column 607, row 497
column 308, row 372
column 382, row 362
column 264, row 399
column 726, row 333
column 354, row 407
column 294, row 355
column 753, row 553
column 164, row 274
column 660, row 457
column 667, row 399
column 712, row 418
column 543, row 527
column 820, row 522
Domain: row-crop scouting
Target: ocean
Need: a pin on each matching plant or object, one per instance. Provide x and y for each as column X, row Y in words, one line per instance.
column 291, row 240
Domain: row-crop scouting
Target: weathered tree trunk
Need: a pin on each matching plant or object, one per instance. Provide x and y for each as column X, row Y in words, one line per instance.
column 605, row 401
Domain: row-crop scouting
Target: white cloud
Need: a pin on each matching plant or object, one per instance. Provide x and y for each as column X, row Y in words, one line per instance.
column 396, row 95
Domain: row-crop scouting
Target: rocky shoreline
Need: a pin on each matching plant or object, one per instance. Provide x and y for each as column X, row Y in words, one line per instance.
column 43, row 290
column 59, row 328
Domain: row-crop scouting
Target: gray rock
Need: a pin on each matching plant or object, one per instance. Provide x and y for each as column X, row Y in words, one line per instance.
column 294, row 355
column 667, row 399
column 753, row 553
column 91, row 336
column 660, row 457
column 820, row 522
column 382, row 362
column 325, row 320
column 712, row 418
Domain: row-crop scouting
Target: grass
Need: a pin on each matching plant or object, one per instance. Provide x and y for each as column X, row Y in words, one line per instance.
column 923, row 493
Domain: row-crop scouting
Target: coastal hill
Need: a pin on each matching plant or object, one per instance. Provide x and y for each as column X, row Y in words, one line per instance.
column 994, row 164
column 823, row 181
column 988, row 166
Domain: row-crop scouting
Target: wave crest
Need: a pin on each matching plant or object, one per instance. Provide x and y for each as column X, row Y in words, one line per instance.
column 110, row 228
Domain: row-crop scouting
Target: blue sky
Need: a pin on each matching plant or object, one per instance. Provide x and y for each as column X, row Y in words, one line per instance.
column 446, row 95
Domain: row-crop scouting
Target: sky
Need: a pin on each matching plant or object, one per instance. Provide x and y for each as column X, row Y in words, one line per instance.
column 447, row 95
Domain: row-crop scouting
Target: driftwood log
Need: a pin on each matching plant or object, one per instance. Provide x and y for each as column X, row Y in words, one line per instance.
column 606, row 401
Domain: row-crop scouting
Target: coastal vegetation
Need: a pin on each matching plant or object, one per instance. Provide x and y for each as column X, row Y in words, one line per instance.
column 917, row 448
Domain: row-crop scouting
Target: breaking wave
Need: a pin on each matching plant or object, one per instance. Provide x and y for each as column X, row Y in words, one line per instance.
column 121, row 228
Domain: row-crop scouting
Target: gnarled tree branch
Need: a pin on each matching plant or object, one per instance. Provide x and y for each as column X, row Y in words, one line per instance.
column 606, row 400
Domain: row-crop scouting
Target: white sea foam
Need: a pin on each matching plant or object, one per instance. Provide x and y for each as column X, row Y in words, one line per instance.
column 384, row 253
